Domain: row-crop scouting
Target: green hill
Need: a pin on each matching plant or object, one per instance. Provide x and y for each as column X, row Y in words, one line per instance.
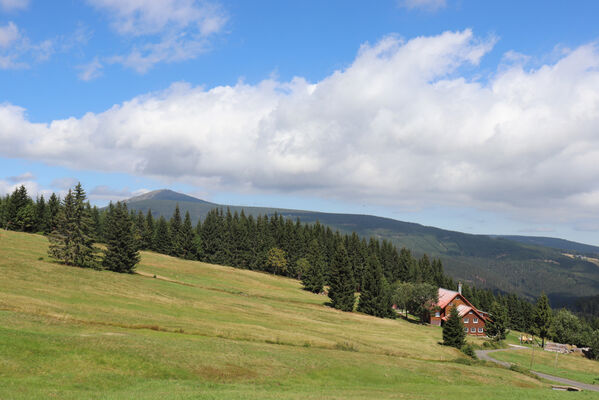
column 520, row 265
column 184, row 329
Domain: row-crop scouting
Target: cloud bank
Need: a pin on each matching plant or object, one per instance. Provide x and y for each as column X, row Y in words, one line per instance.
column 401, row 125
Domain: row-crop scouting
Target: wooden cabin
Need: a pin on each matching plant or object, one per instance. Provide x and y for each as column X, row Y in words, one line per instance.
column 474, row 319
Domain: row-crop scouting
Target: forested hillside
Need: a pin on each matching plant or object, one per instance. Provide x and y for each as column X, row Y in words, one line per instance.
column 497, row 263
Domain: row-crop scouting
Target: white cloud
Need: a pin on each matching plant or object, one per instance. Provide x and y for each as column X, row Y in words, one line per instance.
column 399, row 126
column 162, row 31
column 18, row 51
column 428, row 5
column 12, row 5
column 91, row 70
column 8, row 35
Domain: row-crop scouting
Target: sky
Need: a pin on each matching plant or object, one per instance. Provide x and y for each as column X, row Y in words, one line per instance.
column 481, row 117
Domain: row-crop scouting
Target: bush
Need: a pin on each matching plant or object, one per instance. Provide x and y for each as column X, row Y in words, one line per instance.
column 469, row 351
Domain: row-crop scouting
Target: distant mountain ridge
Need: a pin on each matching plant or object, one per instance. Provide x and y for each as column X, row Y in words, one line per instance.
column 521, row 264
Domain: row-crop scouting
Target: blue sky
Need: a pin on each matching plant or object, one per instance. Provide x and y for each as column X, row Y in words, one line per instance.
column 467, row 115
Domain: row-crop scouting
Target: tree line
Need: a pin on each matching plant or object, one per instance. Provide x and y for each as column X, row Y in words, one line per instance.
column 344, row 263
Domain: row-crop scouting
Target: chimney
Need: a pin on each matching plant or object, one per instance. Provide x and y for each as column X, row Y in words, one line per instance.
column 460, row 287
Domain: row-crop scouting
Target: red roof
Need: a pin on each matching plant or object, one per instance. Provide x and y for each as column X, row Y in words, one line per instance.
column 446, row 296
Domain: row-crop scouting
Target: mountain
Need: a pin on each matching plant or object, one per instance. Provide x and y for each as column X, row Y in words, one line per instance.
column 513, row 264
column 560, row 244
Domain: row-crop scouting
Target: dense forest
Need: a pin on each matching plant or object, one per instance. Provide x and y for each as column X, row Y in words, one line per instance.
column 313, row 253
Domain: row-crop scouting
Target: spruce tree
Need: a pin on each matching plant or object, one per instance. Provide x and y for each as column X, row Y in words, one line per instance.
column 162, row 238
column 375, row 298
column 53, row 211
column 496, row 326
column 542, row 318
column 147, row 237
column 41, row 215
column 176, row 226
column 122, row 252
column 188, row 246
column 313, row 277
column 341, row 290
column 453, row 330
column 71, row 241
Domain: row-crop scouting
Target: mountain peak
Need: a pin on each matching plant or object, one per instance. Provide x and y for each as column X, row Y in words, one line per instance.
column 165, row 194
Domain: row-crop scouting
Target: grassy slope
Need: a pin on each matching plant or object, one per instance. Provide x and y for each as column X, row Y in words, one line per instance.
column 211, row 332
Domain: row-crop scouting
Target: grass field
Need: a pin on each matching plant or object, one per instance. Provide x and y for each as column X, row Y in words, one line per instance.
column 200, row 331
column 570, row 366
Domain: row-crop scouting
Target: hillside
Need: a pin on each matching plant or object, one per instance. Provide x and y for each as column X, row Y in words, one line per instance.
column 205, row 331
column 523, row 265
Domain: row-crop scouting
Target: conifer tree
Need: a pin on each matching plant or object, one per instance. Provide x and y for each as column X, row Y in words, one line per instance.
column 375, row 298
column 147, row 237
column 41, row 215
column 496, row 326
column 542, row 318
column 453, row 330
column 162, row 237
column 341, row 290
column 122, row 252
column 53, row 211
column 188, row 248
column 176, row 226
column 313, row 277
column 71, row 242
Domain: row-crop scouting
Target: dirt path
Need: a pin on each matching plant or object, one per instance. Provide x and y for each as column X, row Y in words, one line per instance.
column 484, row 355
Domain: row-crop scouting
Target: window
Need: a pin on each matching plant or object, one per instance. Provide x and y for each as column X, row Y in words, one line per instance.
column 438, row 314
column 470, row 312
column 466, row 329
column 473, row 330
column 466, row 320
column 480, row 330
column 475, row 320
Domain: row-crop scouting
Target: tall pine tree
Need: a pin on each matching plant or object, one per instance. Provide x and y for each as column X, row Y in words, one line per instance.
column 341, row 290
column 122, row 252
column 542, row 318
column 71, row 242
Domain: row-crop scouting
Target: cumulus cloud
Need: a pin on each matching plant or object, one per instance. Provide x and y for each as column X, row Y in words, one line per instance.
column 162, row 31
column 427, row 5
column 400, row 125
column 12, row 5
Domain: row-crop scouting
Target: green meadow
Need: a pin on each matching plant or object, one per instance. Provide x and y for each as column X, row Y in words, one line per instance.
column 188, row 330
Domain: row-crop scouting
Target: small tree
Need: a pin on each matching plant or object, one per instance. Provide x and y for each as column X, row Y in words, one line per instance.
column 402, row 293
column 453, row 330
column 542, row 318
column 422, row 299
column 277, row 263
column 301, row 267
column 121, row 246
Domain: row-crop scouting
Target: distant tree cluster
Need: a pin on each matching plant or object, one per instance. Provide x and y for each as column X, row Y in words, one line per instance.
column 73, row 226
